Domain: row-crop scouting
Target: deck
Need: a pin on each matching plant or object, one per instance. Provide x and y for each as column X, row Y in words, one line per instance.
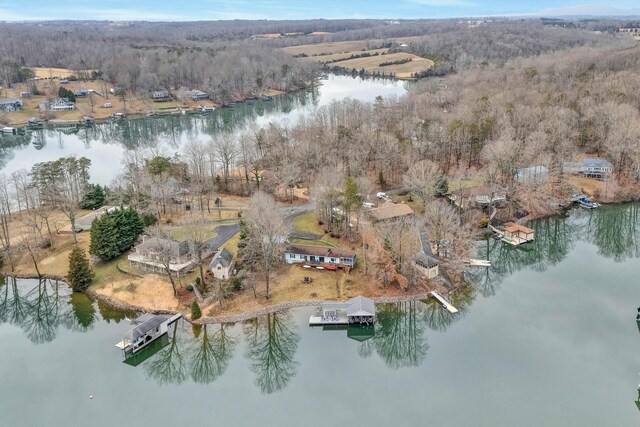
column 444, row 302
column 319, row 321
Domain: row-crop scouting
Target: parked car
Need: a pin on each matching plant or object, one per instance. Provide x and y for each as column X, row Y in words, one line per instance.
column 107, row 105
column 381, row 195
column 367, row 205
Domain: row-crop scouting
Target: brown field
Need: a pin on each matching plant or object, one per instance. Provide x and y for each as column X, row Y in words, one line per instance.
column 331, row 47
column 345, row 55
column 402, row 71
column 47, row 73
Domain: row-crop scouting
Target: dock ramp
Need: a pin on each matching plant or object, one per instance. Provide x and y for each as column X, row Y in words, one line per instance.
column 444, row 302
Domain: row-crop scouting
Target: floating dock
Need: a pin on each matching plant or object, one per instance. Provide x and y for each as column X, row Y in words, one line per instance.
column 479, row 263
column 444, row 302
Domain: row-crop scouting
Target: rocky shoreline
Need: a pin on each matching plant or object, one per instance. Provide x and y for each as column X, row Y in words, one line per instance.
column 231, row 318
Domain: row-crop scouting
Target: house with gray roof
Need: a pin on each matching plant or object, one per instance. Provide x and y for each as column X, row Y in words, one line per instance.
column 10, row 104
column 222, row 264
column 149, row 255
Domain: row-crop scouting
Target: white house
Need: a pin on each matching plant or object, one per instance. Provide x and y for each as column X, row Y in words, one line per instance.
column 60, row 104
column 222, row 264
column 319, row 254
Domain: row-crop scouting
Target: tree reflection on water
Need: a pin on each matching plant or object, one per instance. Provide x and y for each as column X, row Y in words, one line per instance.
column 40, row 307
column 272, row 341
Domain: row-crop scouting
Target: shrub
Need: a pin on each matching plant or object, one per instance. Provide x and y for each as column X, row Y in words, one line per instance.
column 148, row 219
column 195, row 311
column 190, row 288
column 235, row 284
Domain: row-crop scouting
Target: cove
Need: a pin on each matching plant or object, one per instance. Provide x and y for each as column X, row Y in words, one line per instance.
column 546, row 336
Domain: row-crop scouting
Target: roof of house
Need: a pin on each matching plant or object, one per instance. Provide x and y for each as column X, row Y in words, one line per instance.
column 157, row 243
column 323, row 251
column 479, row 190
column 5, row 101
column 196, row 92
column 223, row 257
column 390, row 211
column 361, row 306
column 512, row 227
column 425, row 260
column 147, row 322
column 596, row 162
column 532, row 171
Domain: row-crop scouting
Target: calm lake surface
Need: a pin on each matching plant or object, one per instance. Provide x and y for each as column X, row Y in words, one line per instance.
column 106, row 143
column 546, row 337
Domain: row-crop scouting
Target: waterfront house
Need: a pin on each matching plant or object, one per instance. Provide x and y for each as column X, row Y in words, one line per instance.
column 160, row 95
column 148, row 255
column 320, row 255
column 533, row 175
column 517, row 233
column 10, row 104
column 477, row 196
column 390, row 212
column 596, row 168
column 222, row 264
column 58, row 104
column 197, row 95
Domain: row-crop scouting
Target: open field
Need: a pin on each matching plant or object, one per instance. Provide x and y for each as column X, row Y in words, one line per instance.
column 346, row 55
column 49, row 73
column 371, row 64
column 332, row 47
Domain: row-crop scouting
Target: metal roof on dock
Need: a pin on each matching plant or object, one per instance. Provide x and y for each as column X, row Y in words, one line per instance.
column 148, row 322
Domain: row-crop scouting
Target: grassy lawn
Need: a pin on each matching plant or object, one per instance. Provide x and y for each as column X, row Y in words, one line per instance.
column 107, row 272
column 457, row 184
column 416, row 204
column 307, row 223
column 312, row 242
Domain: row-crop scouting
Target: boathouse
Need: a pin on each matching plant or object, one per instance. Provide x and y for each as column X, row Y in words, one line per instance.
column 150, row 327
column 357, row 310
column 518, row 233
column 320, row 254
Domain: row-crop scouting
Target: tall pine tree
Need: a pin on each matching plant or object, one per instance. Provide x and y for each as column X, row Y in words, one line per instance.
column 80, row 274
column 115, row 232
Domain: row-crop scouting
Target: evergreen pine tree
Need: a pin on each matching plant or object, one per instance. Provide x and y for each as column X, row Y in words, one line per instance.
column 196, row 313
column 104, row 242
column 80, row 274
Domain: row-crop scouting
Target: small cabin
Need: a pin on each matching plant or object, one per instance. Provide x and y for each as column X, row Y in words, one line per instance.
column 197, row 95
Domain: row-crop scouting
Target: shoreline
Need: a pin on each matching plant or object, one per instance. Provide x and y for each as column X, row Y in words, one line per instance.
column 159, row 111
column 229, row 318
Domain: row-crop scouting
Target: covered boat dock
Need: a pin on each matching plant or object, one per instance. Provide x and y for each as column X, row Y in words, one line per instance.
column 357, row 310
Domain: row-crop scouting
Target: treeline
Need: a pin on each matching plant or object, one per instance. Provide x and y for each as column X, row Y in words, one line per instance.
column 151, row 59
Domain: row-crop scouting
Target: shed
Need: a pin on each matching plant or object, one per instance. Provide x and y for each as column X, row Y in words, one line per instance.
column 428, row 265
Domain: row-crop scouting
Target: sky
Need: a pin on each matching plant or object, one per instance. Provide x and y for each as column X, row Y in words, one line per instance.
column 190, row 10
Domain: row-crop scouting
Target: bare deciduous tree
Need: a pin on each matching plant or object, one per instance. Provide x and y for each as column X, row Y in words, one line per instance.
column 267, row 236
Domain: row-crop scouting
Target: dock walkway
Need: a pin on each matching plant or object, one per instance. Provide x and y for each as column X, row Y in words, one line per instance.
column 444, row 302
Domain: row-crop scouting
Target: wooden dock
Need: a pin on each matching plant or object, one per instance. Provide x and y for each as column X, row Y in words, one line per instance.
column 479, row 262
column 328, row 320
column 444, row 302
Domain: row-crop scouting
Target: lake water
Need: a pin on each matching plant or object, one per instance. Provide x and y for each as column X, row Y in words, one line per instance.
column 546, row 337
column 106, row 143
